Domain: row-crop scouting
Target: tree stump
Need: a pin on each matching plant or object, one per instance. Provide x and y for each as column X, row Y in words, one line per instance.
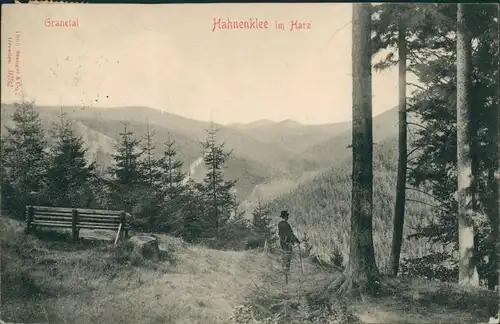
column 144, row 247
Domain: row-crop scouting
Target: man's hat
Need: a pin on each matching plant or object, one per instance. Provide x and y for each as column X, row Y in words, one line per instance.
column 284, row 214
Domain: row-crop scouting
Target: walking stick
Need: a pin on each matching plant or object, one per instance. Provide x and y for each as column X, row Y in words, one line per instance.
column 300, row 258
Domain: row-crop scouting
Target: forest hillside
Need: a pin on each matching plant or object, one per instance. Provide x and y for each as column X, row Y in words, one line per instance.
column 320, row 207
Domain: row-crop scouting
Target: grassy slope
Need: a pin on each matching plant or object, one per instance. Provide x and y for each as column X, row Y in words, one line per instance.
column 48, row 279
column 64, row 283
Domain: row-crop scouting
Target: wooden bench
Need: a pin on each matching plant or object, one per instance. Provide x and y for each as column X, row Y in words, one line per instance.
column 77, row 218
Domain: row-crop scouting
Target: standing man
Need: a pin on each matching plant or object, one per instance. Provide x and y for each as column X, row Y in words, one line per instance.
column 287, row 240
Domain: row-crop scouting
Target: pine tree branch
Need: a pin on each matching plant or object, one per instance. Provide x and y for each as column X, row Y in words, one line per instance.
column 427, row 179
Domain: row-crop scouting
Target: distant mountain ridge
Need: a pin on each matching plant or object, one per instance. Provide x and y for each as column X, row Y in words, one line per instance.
column 253, row 124
column 268, row 157
column 251, row 162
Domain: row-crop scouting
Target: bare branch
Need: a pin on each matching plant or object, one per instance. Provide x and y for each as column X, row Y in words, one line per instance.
column 427, row 204
column 415, row 124
column 416, row 86
column 413, row 150
column 425, row 193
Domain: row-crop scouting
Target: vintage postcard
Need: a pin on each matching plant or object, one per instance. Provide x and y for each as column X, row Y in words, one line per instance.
column 249, row 163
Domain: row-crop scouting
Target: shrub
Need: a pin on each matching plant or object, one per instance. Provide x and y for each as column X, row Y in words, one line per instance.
column 337, row 257
column 430, row 266
column 255, row 241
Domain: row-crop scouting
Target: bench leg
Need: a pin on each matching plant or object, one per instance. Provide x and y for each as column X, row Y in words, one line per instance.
column 29, row 229
column 76, row 235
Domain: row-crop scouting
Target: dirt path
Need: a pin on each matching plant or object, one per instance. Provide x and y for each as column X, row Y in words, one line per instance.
column 202, row 286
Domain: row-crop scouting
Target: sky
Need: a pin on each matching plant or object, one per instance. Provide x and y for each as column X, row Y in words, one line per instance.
column 169, row 57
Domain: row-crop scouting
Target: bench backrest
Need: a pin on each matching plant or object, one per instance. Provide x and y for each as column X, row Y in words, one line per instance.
column 76, row 217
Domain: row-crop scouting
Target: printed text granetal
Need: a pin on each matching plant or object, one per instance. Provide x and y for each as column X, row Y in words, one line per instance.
column 69, row 23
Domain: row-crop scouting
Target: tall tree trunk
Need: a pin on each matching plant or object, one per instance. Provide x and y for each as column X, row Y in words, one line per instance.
column 493, row 211
column 467, row 268
column 362, row 267
column 399, row 208
column 361, row 274
column 496, row 176
column 493, row 194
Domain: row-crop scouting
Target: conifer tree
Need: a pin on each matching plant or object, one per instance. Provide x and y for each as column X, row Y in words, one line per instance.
column 69, row 171
column 216, row 191
column 261, row 223
column 126, row 171
column 5, row 187
column 171, row 170
column 192, row 215
column 150, row 165
column 24, row 159
column 172, row 190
